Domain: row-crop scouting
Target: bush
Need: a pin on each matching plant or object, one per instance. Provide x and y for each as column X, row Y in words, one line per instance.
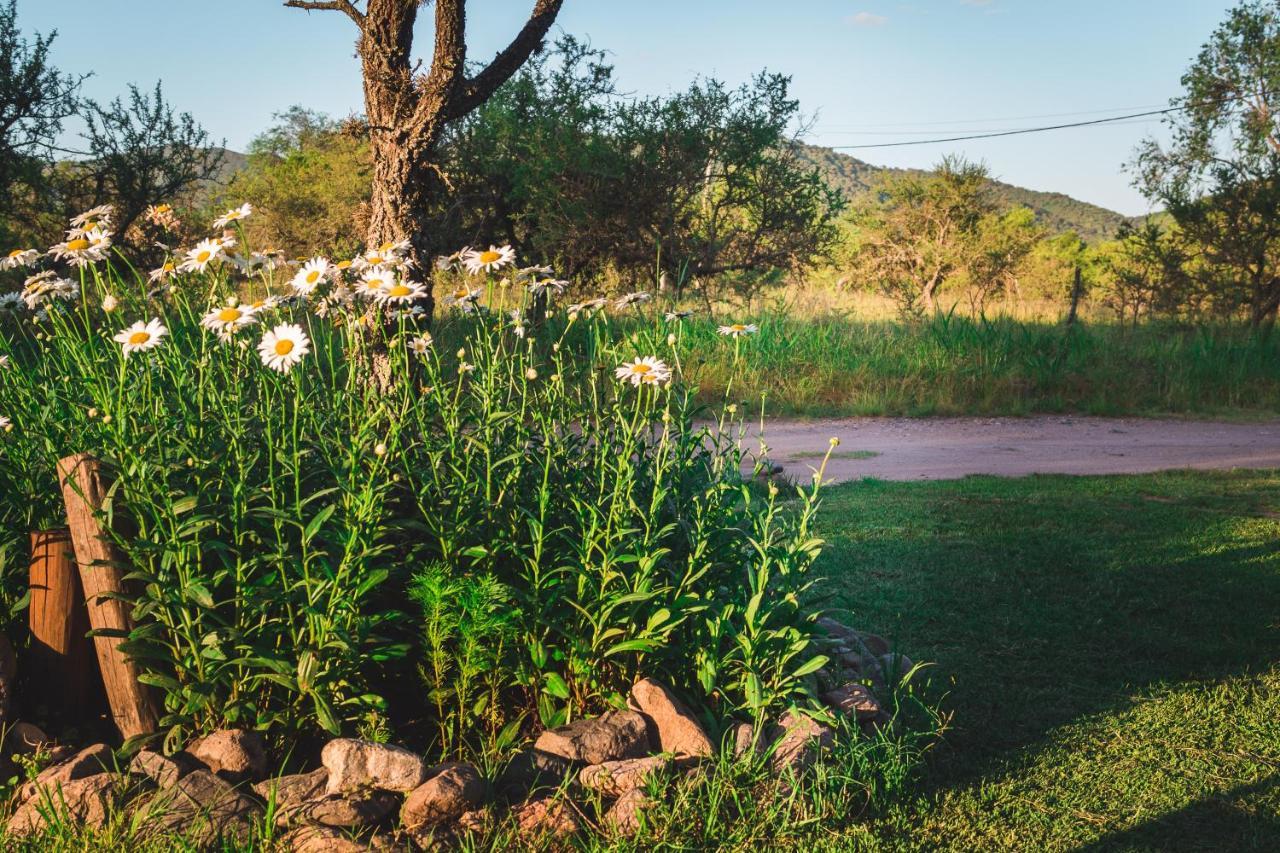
column 560, row 529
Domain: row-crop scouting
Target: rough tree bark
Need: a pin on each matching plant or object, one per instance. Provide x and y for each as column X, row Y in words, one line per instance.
column 407, row 111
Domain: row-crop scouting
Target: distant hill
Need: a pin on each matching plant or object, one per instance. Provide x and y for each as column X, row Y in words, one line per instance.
column 1055, row 211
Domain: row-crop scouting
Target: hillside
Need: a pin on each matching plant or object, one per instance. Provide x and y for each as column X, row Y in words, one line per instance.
column 1054, row 211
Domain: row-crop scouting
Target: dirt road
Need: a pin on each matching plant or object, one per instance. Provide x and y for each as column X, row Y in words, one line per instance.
column 949, row 448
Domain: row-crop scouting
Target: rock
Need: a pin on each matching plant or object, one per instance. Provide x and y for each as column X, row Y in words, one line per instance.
column 836, row 629
column 8, row 677
column 851, row 662
column 321, row 839
column 894, row 666
column 877, row 723
column 875, row 644
column 204, row 808
column 677, row 729
column 361, row 763
column 743, row 737
column 450, row 790
column 624, row 815
column 288, row 792
column 25, row 738
column 161, row 769
column 236, row 755
column 615, row 778
column 353, row 808
column 798, row 740
column 852, row 700
column 529, row 770
column 89, row 761
column 612, row 736
column 476, row 820
column 537, row 819
column 85, row 801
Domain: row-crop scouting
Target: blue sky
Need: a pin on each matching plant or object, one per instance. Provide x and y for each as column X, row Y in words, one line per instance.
column 867, row 70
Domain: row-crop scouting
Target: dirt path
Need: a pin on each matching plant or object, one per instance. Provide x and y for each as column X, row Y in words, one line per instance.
column 949, row 448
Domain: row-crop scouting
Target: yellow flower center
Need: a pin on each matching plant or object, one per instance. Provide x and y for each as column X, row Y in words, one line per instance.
column 386, row 247
column 77, row 245
column 229, row 315
column 203, row 256
column 139, row 338
column 284, row 346
column 163, row 208
column 342, row 265
column 168, row 266
column 313, row 276
column 376, row 260
column 398, row 291
column 16, row 252
column 233, row 214
column 489, row 256
column 641, row 369
column 460, row 293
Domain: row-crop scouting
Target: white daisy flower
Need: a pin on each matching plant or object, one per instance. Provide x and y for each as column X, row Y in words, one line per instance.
column 162, row 272
column 312, row 275
column 589, row 305
column 463, row 297
column 676, row 315
column 633, row 299
column 233, row 215
column 454, row 262
column 42, row 287
column 373, row 281
column 11, row 301
column 81, row 250
column 737, row 330
column 6, row 424
column 648, row 370
column 420, row 345
column 540, row 286
column 228, row 320
column 4, row 361
column 400, row 293
column 205, row 253
column 93, row 217
column 489, row 260
column 19, row 258
column 283, row 347
column 141, row 336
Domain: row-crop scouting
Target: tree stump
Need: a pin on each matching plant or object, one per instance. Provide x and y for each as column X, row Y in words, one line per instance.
column 132, row 704
column 60, row 650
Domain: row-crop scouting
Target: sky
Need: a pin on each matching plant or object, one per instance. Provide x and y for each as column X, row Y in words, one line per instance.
column 864, row 71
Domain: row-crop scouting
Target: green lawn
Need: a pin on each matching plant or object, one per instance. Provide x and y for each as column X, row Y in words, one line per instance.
column 1109, row 649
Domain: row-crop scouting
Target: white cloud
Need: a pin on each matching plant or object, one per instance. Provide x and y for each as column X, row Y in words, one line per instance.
column 867, row 19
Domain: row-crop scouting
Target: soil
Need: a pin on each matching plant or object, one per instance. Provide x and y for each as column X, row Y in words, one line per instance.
column 950, row 448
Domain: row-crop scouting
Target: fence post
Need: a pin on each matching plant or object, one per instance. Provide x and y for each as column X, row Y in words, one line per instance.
column 132, row 704
column 59, row 622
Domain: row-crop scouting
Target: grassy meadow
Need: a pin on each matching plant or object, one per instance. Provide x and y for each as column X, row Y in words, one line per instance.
column 1105, row 649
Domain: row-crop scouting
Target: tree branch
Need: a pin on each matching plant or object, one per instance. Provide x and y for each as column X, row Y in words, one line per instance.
column 450, row 57
column 476, row 90
column 346, row 7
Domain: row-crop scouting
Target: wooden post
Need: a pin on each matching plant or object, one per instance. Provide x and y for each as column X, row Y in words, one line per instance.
column 60, row 651
column 132, row 704
column 1077, row 291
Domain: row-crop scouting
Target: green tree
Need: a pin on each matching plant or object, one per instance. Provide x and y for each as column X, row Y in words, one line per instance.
column 1219, row 177
column 308, row 177
column 917, row 229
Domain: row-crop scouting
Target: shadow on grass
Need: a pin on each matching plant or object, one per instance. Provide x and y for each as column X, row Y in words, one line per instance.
column 1203, row 825
column 1046, row 600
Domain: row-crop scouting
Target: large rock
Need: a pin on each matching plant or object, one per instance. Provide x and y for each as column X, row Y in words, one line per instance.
column 853, row 700
column 743, row 738
column 236, row 755
column 365, row 764
column 355, row 808
column 89, row 761
column 615, row 778
column 530, row 770
column 164, row 770
column 321, row 839
column 677, row 729
column 86, row 801
column 894, row 667
column 624, row 815
column 25, row 738
column 875, row 644
column 204, row 808
column 611, row 736
column 450, row 790
column 288, row 792
column 797, row 742
column 536, row 820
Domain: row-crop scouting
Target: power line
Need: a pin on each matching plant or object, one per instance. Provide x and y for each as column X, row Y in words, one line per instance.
column 1018, row 132
column 857, row 126
column 1119, row 120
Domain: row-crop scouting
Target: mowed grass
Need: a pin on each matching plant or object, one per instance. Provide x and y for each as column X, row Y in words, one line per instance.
column 955, row 365
column 1109, row 649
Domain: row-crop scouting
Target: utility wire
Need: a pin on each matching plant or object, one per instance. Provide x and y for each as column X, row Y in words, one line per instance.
column 858, row 126
column 1025, row 130
column 1019, row 132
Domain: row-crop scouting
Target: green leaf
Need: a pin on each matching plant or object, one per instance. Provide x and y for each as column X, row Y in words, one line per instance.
column 810, row 666
column 555, row 685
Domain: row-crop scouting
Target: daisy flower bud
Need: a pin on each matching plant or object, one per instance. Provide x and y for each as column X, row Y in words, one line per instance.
column 109, row 303
column 531, row 374
column 379, row 449
column 462, row 353
column 106, row 419
column 835, row 442
column 671, row 339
